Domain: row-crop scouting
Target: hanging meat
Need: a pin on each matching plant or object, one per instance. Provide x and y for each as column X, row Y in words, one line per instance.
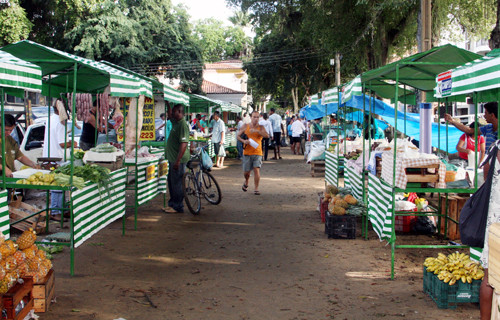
column 114, row 102
column 133, row 123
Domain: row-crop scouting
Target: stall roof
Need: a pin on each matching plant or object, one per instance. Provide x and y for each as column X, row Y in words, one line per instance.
column 330, row 96
column 92, row 76
column 351, row 89
column 198, row 103
column 420, row 70
column 19, row 74
column 170, row 94
column 481, row 75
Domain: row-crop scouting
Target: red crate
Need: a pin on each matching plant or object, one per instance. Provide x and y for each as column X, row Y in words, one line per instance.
column 323, row 210
column 404, row 223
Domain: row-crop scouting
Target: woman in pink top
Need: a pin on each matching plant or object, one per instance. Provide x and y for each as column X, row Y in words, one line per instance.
column 466, row 144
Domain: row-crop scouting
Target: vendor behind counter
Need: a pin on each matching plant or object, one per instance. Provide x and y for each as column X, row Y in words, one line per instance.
column 12, row 151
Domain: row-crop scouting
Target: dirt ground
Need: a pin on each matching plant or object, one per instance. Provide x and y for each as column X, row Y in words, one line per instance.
column 251, row 257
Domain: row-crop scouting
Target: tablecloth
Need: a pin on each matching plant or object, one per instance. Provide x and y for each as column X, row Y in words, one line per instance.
column 403, row 163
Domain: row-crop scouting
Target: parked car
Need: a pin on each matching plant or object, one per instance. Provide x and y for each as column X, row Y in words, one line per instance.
column 31, row 141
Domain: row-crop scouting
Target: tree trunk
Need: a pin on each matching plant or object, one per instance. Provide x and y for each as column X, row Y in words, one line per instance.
column 495, row 34
column 295, row 98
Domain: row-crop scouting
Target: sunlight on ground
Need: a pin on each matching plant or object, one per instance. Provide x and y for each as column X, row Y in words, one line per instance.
column 222, row 223
column 146, row 219
column 366, row 275
column 171, row 260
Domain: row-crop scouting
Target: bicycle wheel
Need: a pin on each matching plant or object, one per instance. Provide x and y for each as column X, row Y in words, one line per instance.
column 191, row 193
column 211, row 188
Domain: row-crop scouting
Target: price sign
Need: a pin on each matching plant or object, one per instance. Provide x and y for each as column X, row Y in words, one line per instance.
column 163, row 168
column 150, row 172
column 148, row 130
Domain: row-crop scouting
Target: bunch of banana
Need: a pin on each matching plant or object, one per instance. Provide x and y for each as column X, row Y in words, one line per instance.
column 454, row 267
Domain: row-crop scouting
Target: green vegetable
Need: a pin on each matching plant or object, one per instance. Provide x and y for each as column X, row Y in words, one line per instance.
column 79, row 154
column 104, row 148
column 64, row 180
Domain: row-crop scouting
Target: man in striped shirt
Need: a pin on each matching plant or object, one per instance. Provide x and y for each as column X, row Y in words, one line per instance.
column 489, row 131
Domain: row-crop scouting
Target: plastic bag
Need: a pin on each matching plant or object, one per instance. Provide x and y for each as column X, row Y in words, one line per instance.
column 222, row 151
column 206, row 161
column 317, row 151
column 424, row 225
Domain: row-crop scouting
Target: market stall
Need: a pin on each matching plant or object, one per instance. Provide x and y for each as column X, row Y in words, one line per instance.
column 66, row 76
column 418, row 72
column 15, row 76
column 478, row 79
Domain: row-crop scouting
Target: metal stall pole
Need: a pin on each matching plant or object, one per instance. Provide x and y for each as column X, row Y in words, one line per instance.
column 136, row 207
column 71, row 214
column 393, row 217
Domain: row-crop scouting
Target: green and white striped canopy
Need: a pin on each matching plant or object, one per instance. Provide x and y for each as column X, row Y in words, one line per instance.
column 231, row 108
column 352, row 88
column 314, row 99
column 479, row 75
column 19, row 74
column 330, row 96
column 92, row 76
column 175, row 96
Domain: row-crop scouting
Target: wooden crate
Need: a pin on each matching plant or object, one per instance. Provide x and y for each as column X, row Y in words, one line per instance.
column 422, row 176
column 44, row 291
column 494, row 256
column 318, row 168
column 14, row 296
column 20, row 210
column 455, row 205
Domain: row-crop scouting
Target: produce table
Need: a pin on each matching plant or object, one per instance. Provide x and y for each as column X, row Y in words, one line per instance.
column 332, row 167
column 147, row 178
column 402, row 164
column 91, row 209
column 381, row 213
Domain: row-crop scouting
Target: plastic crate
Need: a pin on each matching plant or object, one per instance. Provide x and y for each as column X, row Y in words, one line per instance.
column 404, row 223
column 323, row 210
column 340, row 227
column 446, row 296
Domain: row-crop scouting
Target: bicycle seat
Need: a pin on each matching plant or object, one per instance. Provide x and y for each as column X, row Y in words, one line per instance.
column 192, row 164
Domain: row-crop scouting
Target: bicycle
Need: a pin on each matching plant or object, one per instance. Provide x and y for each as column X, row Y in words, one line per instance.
column 198, row 181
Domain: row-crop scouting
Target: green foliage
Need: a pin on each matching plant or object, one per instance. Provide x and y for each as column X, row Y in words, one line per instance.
column 14, row 25
column 147, row 36
column 367, row 34
column 218, row 42
column 52, row 19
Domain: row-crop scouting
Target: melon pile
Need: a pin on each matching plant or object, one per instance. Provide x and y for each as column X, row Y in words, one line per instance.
column 338, row 203
column 21, row 259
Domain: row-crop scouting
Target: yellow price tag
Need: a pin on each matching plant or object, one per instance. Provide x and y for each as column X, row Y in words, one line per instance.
column 150, row 172
column 163, row 168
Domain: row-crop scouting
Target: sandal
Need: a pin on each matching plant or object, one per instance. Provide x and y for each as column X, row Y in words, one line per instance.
column 256, row 192
column 244, row 187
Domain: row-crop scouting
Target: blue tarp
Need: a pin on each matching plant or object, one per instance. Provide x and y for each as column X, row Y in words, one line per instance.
column 412, row 123
column 387, row 113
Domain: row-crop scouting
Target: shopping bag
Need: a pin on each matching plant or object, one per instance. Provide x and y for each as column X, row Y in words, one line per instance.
column 206, row 161
column 474, row 214
column 222, row 152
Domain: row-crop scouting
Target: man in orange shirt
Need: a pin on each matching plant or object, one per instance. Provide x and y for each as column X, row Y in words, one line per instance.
column 252, row 150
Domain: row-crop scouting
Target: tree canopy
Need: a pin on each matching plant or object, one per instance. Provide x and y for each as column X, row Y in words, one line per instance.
column 366, row 33
column 218, row 42
column 14, row 25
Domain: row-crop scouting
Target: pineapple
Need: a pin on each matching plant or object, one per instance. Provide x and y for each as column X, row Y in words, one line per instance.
column 10, row 263
column 19, row 256
column 4, row 286
column 30, row 252
column 33, row 264
column 8, row 248
column 27, row 239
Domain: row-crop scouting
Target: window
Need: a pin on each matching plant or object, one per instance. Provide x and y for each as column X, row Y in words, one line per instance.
column 36, row 134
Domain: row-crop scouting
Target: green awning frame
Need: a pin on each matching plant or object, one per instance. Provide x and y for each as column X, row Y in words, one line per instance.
column 419, row 71
column 481, row 76
column 91, row 76
column 19, row 74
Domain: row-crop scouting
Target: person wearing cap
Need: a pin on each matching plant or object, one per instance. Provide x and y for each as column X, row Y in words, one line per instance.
column 12, row 151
